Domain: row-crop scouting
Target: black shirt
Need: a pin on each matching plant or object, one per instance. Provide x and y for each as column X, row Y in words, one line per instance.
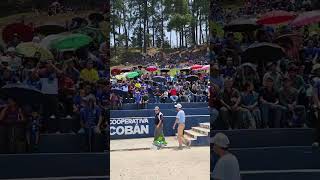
column 269, row 96
column 158, row 117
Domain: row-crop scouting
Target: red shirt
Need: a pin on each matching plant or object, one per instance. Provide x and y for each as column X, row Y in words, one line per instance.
column 173, row 92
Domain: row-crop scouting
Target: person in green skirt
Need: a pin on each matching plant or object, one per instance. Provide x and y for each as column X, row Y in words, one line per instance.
column 158, row 132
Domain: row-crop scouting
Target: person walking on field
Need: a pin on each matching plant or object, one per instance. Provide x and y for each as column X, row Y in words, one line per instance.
column 158, row 132
column 180, row 120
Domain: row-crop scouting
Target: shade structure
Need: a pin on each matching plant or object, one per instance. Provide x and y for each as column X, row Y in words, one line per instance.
column 23, row 32
column 71, row 42
column 276, row 17
column 306, row 18
column 29, row 49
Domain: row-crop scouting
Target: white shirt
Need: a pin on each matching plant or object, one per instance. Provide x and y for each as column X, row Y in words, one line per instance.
column 227, row 168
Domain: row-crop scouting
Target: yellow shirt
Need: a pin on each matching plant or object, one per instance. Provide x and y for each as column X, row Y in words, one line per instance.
column 89, row 75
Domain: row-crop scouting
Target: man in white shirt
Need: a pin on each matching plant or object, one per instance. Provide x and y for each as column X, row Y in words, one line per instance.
column 227, row 167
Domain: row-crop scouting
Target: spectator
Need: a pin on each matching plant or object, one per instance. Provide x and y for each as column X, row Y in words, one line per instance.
column 89, row 74
column 249, row 101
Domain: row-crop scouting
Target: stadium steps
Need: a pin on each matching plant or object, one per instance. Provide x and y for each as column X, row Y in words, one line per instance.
column 199, row 136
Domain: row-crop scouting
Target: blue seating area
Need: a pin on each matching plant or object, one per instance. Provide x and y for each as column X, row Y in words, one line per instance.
column 274, row 154
column 166, row 105
column 54, row 165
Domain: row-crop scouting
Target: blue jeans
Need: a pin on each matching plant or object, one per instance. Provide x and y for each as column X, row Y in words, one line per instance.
column 214, row 113
column 271, row 115
column 174, row 98
column 157, row 99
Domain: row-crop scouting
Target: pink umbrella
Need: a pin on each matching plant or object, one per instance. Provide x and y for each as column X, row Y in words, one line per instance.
column 306, row 18
column 196, row 66
column 151, row 68
column 206, row 67
column 276, row 17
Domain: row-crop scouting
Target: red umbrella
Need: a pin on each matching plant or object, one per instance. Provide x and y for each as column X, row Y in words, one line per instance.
column 306, row 18
column 24, row 32
column 115, row 71
column 125, row 70
column 151, row 68
column 196, row 66
column 276, row 17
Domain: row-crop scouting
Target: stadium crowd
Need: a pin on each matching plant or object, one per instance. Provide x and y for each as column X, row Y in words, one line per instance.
column 264, row 93
column 160, row 85
column 73, row 84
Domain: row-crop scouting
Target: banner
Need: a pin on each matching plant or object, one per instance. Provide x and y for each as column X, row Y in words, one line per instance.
column 130, row 127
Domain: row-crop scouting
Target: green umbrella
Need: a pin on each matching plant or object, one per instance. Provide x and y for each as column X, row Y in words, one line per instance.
column 132, row 75
column 139, row 71
column 71, row 42
column 94, row 33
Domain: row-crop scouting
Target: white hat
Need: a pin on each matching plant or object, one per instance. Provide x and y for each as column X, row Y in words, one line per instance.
column 221, row 140
column 178, row 106
column 156, row 108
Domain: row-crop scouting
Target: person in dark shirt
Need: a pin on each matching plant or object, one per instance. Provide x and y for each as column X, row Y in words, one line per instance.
column 269, row 100
column 158, row 132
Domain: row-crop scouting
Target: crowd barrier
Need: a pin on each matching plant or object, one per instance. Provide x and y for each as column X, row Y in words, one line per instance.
column 54, row 165
column 150, row 112
column 250, row 138
column 166, row 105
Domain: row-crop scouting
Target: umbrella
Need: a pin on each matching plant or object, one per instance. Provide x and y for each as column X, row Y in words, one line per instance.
column 242, row 25
column 125, row 70
column 49, row 29
column 276, row 17
column 263, row 52
column 78, row 22
column 120, row 77
column 96, row 17
column 159, row 79
column 306, row 18
column 29, row 49
column 94, row 33
column 132, row 75
column 23, row 94
column 115, row 71
column 184, row 69
column 206, row 67
column 71, row 42
column 151, row 68
column 192, row 78
column 164, row 70
column 46, row 42
column 196, row 66
column 286, row 38
column 24, row 32
column 117, row 91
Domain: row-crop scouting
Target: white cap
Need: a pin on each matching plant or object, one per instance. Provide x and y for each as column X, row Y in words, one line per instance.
column 156, row 108
column 221, row 140
column 178, row 106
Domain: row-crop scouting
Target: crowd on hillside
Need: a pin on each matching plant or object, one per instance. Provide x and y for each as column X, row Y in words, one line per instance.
column 161, row 87
column 75, row 88
column 274, row 94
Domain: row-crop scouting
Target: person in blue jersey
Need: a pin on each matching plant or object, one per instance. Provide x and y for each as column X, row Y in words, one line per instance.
column 181, row 120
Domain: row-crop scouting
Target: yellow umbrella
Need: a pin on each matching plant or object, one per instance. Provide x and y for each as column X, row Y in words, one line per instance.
column 29, row 49
column 120, row 77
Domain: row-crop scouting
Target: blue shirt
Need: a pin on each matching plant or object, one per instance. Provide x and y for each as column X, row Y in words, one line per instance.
column 181, row 116
column 90, row 116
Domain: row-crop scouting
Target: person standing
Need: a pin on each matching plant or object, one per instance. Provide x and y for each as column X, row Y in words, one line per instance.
column 180, row 120
column 158, row 132
column 227, row 167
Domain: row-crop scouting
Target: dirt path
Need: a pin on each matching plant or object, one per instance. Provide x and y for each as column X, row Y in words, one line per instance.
column 165, row 164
